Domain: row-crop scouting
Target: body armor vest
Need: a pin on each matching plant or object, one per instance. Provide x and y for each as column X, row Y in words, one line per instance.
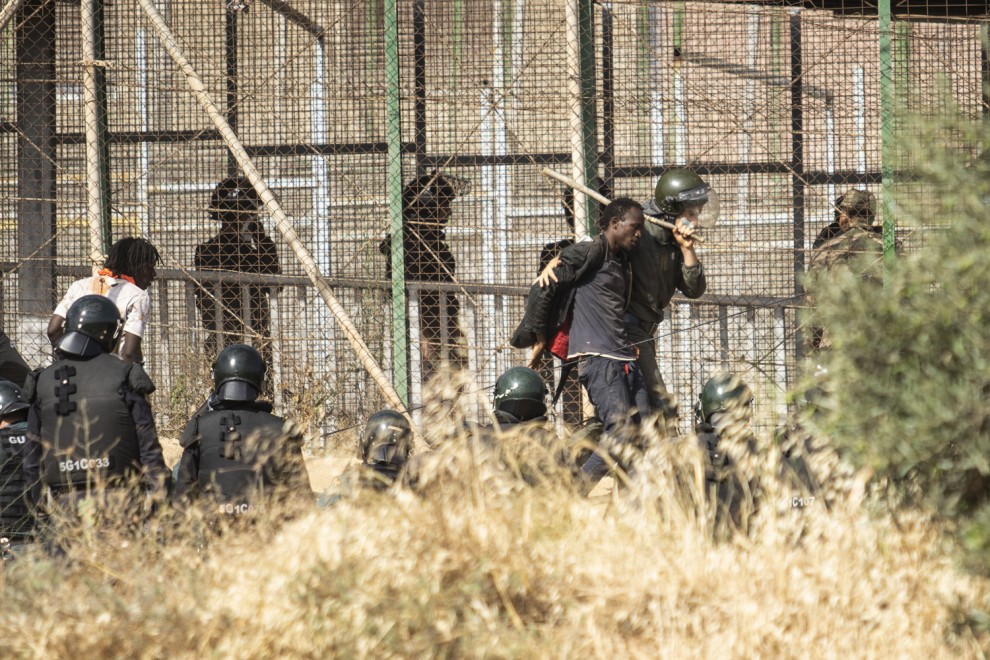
column 237, row 454
column 16, row 522
column 86, row 427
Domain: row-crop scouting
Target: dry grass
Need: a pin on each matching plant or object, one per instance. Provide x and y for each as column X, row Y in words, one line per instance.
column 486, row 565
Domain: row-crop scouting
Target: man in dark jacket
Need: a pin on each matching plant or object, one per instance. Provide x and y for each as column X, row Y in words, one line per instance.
column 664, row 262
column 592, row 290
column 12, row 365
column 90, row 427
column 237, row 453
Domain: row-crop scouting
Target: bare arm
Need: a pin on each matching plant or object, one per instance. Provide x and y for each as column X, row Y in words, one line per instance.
column 131, row 349
column 56, row 328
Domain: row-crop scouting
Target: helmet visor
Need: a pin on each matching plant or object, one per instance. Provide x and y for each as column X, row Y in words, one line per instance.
column 701, row 206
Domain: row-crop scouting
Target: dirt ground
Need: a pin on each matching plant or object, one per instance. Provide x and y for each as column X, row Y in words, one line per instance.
column 324, row 469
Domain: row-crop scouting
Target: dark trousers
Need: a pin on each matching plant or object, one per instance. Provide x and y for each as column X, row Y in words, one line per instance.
column 621, row 400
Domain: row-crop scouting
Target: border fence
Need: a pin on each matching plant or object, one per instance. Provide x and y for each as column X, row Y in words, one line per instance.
column 330, row 107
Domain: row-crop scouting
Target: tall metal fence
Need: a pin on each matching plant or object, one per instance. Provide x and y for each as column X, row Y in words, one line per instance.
column 119, row 119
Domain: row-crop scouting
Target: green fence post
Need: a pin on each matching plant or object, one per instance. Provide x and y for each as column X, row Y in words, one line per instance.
column 393, row 188
column 886, row 133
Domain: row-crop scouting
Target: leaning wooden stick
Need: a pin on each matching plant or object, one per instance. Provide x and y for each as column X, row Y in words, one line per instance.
column 568, row 181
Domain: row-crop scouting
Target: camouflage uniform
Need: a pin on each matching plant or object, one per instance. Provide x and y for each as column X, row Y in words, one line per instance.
column 836, row 247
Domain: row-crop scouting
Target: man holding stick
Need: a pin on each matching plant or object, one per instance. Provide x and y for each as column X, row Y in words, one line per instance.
column 664, row 261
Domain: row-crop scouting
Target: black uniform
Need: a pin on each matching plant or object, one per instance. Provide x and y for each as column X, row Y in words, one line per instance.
column 16, row 521
column 236, row 453
column 90, row 425
column 12, row 365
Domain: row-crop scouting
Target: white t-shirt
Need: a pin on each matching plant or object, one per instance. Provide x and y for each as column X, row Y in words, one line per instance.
column 132, row 301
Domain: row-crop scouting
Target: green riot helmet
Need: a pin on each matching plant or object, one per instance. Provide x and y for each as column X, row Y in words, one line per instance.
column 238, row 373
column 92, row 326
column 680, row 190
column 387, row 440
column 721, row 393
column 11, row 399
column 521, row 392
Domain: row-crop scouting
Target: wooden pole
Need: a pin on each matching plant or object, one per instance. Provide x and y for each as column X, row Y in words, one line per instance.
column 282, row 222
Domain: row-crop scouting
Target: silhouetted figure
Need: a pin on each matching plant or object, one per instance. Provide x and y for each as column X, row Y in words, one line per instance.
column 242, row 246
column 426, row 210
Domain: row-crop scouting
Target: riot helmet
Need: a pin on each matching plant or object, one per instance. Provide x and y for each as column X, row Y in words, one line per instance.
column 429, row 196
column 11, row 399
column 387, row 440
column 521, row 392
column 680, row 190
column 723, row 392
column 238, row 373
column 234, row 194
column 92, row 326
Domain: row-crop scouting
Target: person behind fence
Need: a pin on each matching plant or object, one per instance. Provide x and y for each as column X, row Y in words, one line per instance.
column 241, row 246
column 12, row 365
column 129, row 269
column 91, row 430
column 238, row 456
column 16, row 520
column 592, row 287
column 852, row 238
column 383, row 449
column 426, row 211
column 664, row 262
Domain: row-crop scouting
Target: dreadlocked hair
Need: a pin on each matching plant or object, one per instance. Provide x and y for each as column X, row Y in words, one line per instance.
column 127, row 255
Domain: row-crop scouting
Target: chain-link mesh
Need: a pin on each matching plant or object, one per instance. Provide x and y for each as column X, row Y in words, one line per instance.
column 404, row 143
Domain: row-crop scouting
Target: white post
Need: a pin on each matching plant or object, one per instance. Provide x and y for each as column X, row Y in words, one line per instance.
column 859, row 105
column 657, row 150
column 830, row 150
column 282, row 222
column 94, row 195
column 574, row 103
column 144, row 153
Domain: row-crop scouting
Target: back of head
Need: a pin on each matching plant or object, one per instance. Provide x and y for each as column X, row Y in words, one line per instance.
column 92, row 326
column 428, row 197
column 234, row 194
column 387, row 440
column 238, row 373
column 678, row 187
column 723, row 392
column 129, row 255
column 521, row 392
column 860, row 206
column 12, row 400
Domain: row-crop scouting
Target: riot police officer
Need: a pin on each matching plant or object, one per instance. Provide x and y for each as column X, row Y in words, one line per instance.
column 237, row 454
column 724, row 432
column 384, row 450
column 16, row 521
column 90, row 426
column 520, row 396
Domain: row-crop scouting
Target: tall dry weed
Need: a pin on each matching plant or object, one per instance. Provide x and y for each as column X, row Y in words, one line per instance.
column 493, row 562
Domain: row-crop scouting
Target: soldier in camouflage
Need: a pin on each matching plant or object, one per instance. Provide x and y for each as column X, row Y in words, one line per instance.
column 853, row 238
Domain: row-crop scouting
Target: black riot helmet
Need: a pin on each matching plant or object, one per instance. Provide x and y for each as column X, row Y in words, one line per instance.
column 387, row 440
column 521, row 392
column 238, row 373
column 11, row 399
column 92, row 326
column 234, row 194
column 722, row 392
column 428, row 197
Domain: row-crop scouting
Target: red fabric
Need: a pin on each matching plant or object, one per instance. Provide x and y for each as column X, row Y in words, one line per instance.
column 560, row 340
column 107, row 272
